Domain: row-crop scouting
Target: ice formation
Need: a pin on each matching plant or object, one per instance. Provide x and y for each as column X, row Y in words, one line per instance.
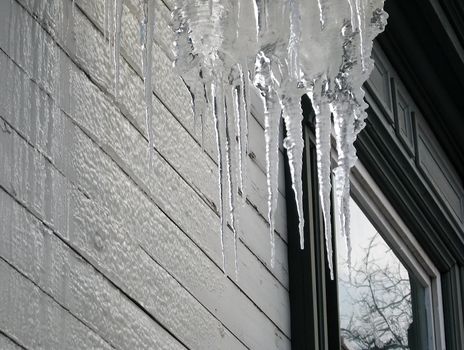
column 283, row 49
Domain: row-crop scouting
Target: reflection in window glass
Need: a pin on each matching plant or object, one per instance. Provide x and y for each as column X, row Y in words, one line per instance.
column 376, row 310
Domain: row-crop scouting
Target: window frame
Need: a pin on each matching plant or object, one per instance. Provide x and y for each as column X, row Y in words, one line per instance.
column 314, row 296
column 383, row 216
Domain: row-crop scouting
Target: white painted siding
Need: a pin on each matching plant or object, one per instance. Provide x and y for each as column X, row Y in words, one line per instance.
column 95, row 251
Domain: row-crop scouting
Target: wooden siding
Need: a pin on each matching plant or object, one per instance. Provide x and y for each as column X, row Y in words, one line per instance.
column 96, row 250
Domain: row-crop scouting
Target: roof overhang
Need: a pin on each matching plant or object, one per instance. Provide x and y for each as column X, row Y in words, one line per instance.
column 424, row 40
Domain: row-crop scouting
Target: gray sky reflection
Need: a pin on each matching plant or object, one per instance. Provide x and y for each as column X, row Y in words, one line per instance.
column 375, row 304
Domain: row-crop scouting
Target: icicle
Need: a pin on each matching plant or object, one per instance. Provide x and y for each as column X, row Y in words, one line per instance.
column 192, row 72
column 238, row 159
column 237, row 100
column 291, row 91
column 244, row 118
column 364, row 37
column 117, row 43
column 344, row 123
column 359, row 14
column 323, row 131
column 234, row 153
column 256, row 13
column 352, row 13
column 266, row 83
column 237, row 96
column 148, row 28
column 272, row 117
column 294, row 41
column 219, row 122
column 293, row 117
column 195, row 84
column 322, row 9
column 230, row 173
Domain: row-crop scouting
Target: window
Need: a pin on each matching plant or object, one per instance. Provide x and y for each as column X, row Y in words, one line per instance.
column 375, row 292
column 393, row 299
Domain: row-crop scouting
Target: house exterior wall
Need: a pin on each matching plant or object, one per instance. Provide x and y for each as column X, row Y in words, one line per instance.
column 96, row 250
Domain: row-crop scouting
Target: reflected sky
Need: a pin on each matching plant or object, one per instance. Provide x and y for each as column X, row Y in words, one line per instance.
column 375, row 296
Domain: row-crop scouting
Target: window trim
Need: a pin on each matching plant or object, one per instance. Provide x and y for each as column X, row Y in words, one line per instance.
column 372, row 201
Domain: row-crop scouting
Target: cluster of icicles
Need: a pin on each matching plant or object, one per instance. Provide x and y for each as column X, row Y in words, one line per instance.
column 282, row 49
column 112, row 29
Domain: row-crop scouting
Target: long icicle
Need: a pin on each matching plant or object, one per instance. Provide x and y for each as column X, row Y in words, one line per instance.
column 272, row 117
column 323, row 132
column 294, row 42
column 229, row 135
column 245, row 117
column 266, row 83
column 293, row 143
column 293, row 114
column 359, row 16
column 344, row 124
column 237, row 95
column 240, row 98
column 217, row 99
column 233, row 128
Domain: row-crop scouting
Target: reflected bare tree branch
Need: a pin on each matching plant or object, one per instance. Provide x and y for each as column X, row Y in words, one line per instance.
column 381, row 295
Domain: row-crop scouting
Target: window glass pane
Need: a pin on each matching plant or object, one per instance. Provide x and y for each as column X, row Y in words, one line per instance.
column 375, row 296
